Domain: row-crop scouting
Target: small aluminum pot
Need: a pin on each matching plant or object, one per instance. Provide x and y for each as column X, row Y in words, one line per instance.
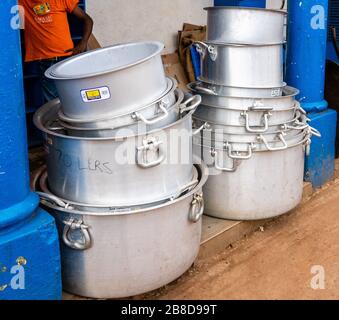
column 118, row 171
column 254, row 186
column 245, row 25
column 122, row 254
column 213, row 97
column 253, row 117
column 111, row 81
column 201, row 124
column 174, row 113
column 209, row 89
column 152, row 114
column 247, row 66
column 269, row 142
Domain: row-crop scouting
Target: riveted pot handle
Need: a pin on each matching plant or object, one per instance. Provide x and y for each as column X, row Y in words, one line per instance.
column 296, row 126
column 236, row 154
column 263, row 129
column 190, row 104
column 162, row 116
column 234, row 167
column 142, row 151
column 315, row 132
column 54, row 199
column 71, row 225
column 197, row 208
column 269, row 148
column 260, row 108
column 202, row 47
column 205, row 90
column 205, row 126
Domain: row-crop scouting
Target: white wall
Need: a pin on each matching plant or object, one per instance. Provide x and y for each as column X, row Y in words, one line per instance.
column 275, row 4
column 117, row 21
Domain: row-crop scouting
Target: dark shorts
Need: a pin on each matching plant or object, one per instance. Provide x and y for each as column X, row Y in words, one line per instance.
column 38, row 68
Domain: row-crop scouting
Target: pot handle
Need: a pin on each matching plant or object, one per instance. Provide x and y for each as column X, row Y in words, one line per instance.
column 205, row 126
column 71, row 225
column 202, row 47
column 150, row 144
column 314, row 132
column 54, row 199
column 205, row 90
column 259, row 108
column 138, row 116
column 269, row 148
column 263, row 129
column 197, row 208
column 236, row 154
column 234, row 167
column 190, row 104
column 298, row 126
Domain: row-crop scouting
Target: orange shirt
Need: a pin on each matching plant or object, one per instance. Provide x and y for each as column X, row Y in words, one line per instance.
column 47, row 33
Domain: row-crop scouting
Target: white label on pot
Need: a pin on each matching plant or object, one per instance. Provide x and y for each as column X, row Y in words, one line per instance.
column 95, row 94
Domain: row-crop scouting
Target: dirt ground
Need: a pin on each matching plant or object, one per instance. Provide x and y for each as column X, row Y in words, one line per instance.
column 274, row 263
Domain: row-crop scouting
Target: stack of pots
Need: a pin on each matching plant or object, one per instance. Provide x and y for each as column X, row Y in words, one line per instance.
column 253, row 133
column 120, row 178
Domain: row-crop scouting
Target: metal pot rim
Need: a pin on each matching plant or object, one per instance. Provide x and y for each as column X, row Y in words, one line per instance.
column 284, row 88
column 233, row 8
column 242, row 126
column 202, row 173
column 38, row 123
column 304, row 140
column 51, row 73
column 243, row 45
column 171, row 86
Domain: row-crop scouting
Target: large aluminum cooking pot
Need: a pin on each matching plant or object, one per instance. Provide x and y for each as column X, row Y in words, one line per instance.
column 110, row 81
column 264, row 184
column 201, row 124
column 245, row 25
column 118, row 171
column 173, row 114
column 253, row 117
column 248, row 143
column 152, row 114
column 235, row 65
column 213, row 98
column 121, row 254
column 226, row 91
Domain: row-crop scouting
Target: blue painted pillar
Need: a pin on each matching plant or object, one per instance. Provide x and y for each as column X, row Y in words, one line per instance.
column 29, row 250
column 305, row 70
column 306, row 51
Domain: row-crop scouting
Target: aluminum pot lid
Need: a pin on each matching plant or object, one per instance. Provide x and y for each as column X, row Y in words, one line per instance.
column 234, row 8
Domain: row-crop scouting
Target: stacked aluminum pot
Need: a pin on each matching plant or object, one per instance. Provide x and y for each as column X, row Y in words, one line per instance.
column 120, row 178
column 253, row 133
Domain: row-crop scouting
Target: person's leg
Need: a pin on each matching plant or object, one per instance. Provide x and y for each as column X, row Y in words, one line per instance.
column 48, row 86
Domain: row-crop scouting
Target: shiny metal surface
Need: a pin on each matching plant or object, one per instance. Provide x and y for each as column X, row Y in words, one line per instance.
column 216, row 98
column 264, row 184
column 118, row 171
column 250, row 66
column 153, row 112
column 173, row 114
column 245, row 25
column 130, row 252
column 129, row 76
column 242, row 130
column 253, row 117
